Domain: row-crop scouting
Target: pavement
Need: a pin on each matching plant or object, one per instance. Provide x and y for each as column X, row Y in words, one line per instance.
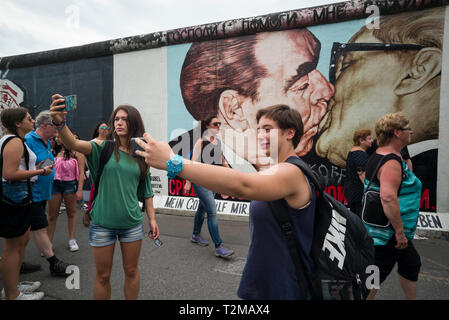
column 180, row 270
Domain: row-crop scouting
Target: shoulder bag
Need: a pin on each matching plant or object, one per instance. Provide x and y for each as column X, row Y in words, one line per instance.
column 15, row 218
column 372, row 211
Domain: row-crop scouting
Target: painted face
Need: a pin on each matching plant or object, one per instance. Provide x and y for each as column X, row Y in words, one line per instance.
column 120, row 123
column 289, row 58
column 364, row 93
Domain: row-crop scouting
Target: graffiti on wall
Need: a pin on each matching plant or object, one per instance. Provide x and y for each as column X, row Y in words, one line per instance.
column 233, row 78
column 11, row 96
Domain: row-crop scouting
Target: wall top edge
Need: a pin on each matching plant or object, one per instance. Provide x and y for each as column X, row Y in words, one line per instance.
column 299, row 18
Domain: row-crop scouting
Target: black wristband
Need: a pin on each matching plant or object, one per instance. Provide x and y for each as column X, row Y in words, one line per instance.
column 58, row 126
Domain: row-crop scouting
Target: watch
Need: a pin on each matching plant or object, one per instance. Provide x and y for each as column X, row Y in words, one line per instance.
column 174, row 166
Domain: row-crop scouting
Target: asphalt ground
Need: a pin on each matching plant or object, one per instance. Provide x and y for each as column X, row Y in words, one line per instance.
column 180, row 270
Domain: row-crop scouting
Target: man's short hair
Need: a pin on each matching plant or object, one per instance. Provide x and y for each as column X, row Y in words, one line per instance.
column 211, row 67
column 386, row 125
column 43, row 118
column 286, row 118
column 360, row 134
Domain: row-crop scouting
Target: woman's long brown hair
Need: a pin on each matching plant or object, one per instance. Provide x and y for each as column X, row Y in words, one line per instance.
column 136, row 128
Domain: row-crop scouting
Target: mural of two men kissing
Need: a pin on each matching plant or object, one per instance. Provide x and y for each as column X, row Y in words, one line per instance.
column 337, row 88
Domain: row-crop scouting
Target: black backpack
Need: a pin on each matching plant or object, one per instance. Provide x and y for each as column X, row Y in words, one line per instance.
column 105, row 155
column 342, row 248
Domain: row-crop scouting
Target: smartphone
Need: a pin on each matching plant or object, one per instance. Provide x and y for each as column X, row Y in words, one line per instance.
column 47, row 162
column 135, row 146
column 158, row 242
column 70, row 103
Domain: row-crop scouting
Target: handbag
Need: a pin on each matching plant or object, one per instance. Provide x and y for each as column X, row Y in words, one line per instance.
column 15, row 218
column 372, row 211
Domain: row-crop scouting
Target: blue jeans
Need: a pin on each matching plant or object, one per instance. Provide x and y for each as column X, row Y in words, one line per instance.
column 207, row 203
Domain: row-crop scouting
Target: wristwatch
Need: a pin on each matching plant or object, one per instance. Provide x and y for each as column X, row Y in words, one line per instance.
column 174, row 166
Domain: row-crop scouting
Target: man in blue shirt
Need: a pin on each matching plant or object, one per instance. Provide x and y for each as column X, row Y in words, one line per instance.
column 39, row 142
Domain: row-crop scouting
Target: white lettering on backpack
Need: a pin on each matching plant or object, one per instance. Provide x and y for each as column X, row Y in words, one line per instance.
column 336, row 235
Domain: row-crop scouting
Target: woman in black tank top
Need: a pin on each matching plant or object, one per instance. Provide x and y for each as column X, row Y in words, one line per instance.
column 208, row 150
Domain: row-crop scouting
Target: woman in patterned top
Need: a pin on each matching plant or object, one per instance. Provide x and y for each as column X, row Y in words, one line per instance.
column 400, row 194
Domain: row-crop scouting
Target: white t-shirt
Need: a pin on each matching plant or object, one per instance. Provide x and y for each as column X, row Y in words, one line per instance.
column 22, row 166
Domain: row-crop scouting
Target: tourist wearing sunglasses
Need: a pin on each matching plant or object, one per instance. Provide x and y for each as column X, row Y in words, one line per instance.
column 208, row 149
column 101, row 131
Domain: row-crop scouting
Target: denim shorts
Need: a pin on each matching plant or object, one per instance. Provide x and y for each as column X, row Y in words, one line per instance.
column 101, row 237
column 64, row 187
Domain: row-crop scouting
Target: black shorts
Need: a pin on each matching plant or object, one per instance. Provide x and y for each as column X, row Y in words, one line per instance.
column 38, row 216
column 14, row 222
column 409, row 261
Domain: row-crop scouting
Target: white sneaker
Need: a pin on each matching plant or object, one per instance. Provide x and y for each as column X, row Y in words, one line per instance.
column 29, row 286
column 30, row 296
column 73, row 246
column 25, row 287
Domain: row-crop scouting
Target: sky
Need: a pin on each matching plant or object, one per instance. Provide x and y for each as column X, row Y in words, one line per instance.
column 28, row 26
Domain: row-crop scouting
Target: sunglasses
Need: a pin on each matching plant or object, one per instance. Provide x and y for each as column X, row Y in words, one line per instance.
column 216, row 124
column 405, row 129
column 105, row 128
column 341, row 48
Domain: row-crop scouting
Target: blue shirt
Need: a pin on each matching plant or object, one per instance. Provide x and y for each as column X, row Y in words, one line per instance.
column 269, row 272
column 43, row 186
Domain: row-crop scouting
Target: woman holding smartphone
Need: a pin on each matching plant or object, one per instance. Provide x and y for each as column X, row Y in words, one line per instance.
column 115, row 211
column 269, row 272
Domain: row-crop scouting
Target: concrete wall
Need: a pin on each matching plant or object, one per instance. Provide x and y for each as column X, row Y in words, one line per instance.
column 233, row 68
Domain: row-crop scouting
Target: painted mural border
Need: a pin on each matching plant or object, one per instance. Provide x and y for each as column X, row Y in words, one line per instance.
column 427, row 221
column 323, row 14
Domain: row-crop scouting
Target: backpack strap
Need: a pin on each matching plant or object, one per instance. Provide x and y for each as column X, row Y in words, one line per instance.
column 281, row 215
column 375, row 172
column 308, row 172
column 105, row 155
column 27, row 160
column 382, row 161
